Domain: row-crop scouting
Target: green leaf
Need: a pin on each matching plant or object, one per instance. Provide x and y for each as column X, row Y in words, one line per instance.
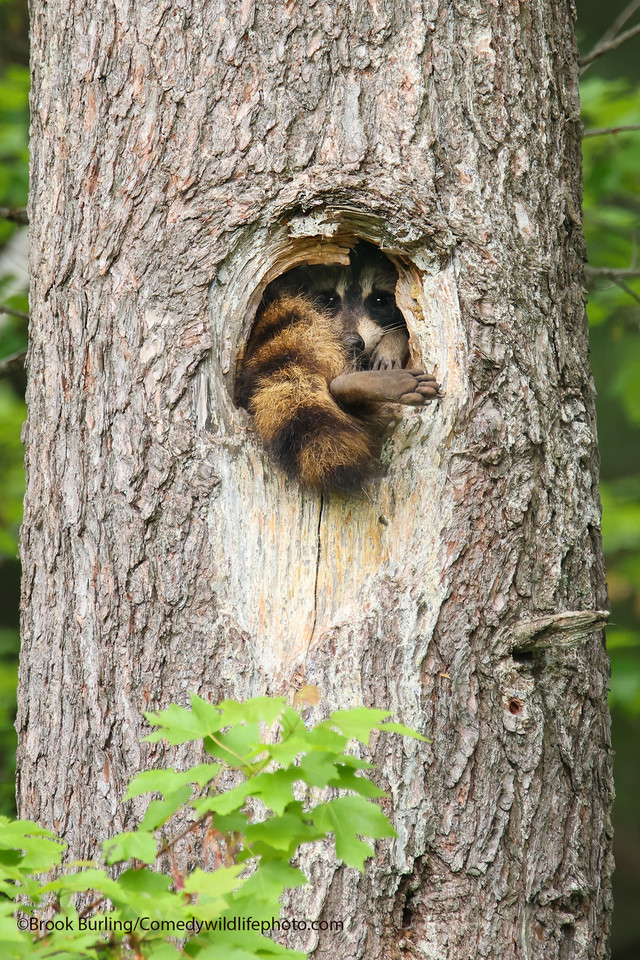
column 233, row 823
column 42, row 849
column 355, row 763
column 347, row 817
column 346, row 779
column 242, row 945
column 208, row 714
column 271, row 879
column 358, row 723
column 177, row 724
column 162, row 950
column 323, row 737
column 274, row 789
column 223, row 803
column 147, row 884
column 287, row 751
column 216, row 884
column 90, row 879
column 138, row 845
column 21, row 945
column 256, row 710
column 261, row 849
column 237, row 746
column 405, row 731
column 168, row 781
column 321, row 769
column 284, row 833
column 159, row 811
column 318, row 768
column 225, row 951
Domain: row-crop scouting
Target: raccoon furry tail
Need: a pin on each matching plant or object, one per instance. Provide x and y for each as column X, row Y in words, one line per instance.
column 292, row 357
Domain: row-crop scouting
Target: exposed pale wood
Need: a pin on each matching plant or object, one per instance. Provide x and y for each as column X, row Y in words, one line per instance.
column 184, row 155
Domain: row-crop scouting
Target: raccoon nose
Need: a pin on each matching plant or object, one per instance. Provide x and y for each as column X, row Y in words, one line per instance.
column 354, row 342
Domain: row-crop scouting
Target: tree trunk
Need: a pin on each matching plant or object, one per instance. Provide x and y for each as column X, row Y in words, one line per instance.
column 183, row 156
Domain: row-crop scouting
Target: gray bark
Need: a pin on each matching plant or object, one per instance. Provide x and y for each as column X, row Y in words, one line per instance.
column 183, row 156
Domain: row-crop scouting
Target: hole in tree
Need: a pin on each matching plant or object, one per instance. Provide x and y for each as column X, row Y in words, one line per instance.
column 359, row 296
column 523, row 656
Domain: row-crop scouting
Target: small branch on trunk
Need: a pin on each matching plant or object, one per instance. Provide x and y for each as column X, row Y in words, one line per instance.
column 627, row 289
column 608, row 273
column 16, row 215
column 618, row 23
column 598, row 132
column 14, row 360
column 557, row 630
column 599, row 51
column 13, row 313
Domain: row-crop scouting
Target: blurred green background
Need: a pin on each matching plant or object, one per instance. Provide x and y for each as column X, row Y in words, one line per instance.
column 611, row 98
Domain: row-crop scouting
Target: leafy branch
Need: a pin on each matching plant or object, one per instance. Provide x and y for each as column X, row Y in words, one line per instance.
column 260, row 823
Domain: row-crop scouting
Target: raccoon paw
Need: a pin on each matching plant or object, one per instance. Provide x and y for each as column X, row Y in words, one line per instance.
column 392, row 352
column 385, row 363
column 411, row 387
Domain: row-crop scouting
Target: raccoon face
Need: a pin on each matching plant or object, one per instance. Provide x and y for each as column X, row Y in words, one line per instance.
column 361, row 297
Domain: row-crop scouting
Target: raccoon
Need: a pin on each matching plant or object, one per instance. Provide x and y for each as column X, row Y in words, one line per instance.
column 326, row 355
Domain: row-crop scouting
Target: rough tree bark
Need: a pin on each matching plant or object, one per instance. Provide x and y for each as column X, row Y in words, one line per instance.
column 184, row 154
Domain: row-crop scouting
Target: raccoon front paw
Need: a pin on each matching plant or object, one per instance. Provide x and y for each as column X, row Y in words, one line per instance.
column 392, row 352
column 379, row 362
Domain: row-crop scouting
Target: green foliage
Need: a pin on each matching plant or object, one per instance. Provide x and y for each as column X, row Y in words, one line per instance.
column 611, row 179
column 12, row 414
column 612, row 228
column 14, row 138
column 14, row 172
column 250, row 830
column 611, row 211
column 621, row 539
column 9, row 646
column 14, row 183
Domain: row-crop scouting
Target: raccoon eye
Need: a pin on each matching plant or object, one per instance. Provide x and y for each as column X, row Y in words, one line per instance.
column 382, row 306
column 328, row 300
column 381, row 299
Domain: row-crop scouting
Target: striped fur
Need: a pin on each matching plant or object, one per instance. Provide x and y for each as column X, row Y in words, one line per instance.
column 295, row 350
